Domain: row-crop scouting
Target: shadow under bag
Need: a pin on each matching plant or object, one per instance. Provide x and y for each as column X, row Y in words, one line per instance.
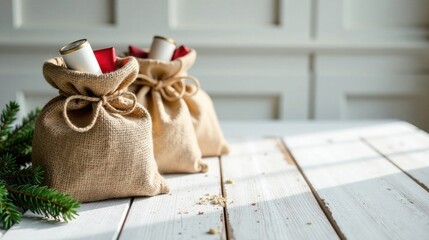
column 94, row 141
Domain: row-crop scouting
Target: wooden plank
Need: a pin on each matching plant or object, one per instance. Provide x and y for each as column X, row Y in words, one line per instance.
column 269, row 198
column 367, row 196
column 410, row 152
column 178, row 215
column 268, row 128
column 351, row 134
column 97, row 220
column 240, row 147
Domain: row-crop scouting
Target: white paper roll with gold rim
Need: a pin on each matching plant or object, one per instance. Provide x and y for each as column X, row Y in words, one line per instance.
column 162, row 48
column 79, row 56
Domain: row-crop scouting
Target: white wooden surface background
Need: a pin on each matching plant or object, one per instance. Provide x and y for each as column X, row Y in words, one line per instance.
column 322, row 180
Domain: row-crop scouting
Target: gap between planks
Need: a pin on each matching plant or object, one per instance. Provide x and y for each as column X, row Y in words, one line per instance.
column 125, row 219
column 325, row 209
column 269, row 197
column 228, row 229
column 421, row 184
column 181, row 213
column 368, row 198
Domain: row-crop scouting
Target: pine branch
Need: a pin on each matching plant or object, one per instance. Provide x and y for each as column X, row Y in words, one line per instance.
column 19, row 187
column 27, row 124
column 19, row 141
column 21, row 138
column 20, row 148
column 7, row 163
column 45, row 201
column 9, row 215
column 8, row 116
column 29, row 175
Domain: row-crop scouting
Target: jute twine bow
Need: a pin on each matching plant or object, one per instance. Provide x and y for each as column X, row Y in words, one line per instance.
column 171, row 89
column 101, row 101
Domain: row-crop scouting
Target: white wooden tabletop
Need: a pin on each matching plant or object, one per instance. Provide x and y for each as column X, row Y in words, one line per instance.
column 282, row 180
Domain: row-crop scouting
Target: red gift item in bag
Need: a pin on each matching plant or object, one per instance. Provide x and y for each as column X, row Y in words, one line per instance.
column 137, row 52
column 180, row 52
column 106, row 59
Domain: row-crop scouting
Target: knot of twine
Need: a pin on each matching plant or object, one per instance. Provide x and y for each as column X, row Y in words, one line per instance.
column 171, row 89
column 103, row 101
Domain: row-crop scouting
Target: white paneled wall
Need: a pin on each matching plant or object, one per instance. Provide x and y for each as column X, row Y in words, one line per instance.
column 258, row 59
column 373, row 85
column 389, row 20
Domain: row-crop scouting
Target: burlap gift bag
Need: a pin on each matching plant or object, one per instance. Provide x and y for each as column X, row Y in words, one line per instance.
column 209, row 134
column 94, row 141
column 162, row 88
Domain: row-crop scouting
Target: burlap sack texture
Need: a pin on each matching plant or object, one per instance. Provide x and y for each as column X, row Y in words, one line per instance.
column 206, row 124
column 209, row 134
column 94, row 141
column 163, row 87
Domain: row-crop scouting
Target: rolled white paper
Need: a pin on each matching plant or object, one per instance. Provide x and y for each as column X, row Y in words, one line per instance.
column 79, row 56
column 162, row 48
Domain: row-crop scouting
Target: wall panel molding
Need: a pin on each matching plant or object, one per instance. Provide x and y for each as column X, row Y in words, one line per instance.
column 366, row 20
column 62, row 15
column 373, row 85
column 359, row 97
column 191, row 21
column 225, row 14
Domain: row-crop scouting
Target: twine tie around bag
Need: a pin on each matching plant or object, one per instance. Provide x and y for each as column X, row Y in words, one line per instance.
column 171, row 89
column 103, row 101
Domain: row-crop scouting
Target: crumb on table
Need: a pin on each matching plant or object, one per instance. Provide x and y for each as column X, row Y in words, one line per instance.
column 213, row 231
column 229, row 181
column 212, row 199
